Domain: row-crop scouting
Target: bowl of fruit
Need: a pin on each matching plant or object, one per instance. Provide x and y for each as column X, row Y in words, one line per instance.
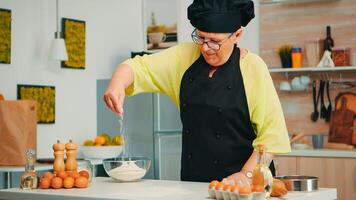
column 102, row 147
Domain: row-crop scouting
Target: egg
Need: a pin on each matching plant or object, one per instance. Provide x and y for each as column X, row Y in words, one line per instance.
column 212, row 184
column 245, row 189
column 226, row 187
column 219, row 186
column 234, row 188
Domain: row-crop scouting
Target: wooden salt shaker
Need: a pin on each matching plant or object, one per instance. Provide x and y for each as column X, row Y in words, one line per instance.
column 58, row 163
column 71, row 163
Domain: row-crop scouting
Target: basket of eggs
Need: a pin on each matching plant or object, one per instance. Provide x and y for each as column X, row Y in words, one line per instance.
column 243, row 190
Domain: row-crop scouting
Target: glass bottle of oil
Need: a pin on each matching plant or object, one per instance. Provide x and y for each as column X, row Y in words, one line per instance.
column 29, row 179
column 262, row 178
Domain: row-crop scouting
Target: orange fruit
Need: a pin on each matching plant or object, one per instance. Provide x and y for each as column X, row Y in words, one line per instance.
column 81, row 182
column 62, row 174
column 84, row 173
column 88, row 143
column 68, row 182
column 48, row 175
column 45, row 183
column 56, row 183
column 212, row 184
column 73, row 174
column 100, row 140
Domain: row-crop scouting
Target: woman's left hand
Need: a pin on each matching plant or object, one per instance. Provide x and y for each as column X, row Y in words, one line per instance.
column 236, row 177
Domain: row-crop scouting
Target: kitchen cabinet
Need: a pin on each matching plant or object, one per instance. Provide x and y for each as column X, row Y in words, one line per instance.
column 285, row 165
column 333, row 172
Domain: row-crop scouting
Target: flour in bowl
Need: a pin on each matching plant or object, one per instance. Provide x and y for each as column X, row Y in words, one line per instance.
column 128, row 171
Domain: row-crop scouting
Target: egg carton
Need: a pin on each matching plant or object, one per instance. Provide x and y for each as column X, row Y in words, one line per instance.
column 227, row 195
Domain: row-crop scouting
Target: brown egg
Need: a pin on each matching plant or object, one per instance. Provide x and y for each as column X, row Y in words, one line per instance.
column 226, row 187
column 245, row 189
column 45, row 183
column 62, row 174
column 81, row 182
column 68, row 182
column 234, row 188
column 56, row 183
column 219, row 186
column 48, row 175
column 212, row 184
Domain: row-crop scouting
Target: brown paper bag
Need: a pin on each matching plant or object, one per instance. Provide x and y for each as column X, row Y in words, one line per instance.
column 18, row 127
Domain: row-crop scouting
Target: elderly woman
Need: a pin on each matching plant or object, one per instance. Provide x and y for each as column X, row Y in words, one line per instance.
column 228, row 104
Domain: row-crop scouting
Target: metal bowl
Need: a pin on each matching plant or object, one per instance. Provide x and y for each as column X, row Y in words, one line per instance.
column 299, row 183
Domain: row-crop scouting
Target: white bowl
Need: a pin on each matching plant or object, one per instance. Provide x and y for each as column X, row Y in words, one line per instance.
column 101, row 152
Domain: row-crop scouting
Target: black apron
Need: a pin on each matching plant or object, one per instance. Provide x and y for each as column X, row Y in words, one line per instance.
column 217, row 132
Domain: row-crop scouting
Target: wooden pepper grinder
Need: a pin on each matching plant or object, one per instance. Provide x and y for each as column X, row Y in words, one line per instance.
column 71, row 163
column 58, row 164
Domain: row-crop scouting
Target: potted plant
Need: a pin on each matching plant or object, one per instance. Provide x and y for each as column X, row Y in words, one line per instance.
column 285, row 54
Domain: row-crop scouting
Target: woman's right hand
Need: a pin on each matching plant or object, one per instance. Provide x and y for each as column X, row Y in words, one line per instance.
column 114, row 99
column 114, row 95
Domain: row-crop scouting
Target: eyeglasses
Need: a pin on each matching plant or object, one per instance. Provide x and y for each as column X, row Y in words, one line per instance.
column 211, row 44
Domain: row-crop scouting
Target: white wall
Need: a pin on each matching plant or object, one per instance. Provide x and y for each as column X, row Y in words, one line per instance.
column 113, row 29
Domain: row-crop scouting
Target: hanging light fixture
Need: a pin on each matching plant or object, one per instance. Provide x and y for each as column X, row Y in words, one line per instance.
column 58, row 47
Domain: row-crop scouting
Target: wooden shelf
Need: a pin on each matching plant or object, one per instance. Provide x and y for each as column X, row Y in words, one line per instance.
column 312, row 69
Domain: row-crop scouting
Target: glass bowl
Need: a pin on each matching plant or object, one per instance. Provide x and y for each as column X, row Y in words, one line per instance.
column 127, row 169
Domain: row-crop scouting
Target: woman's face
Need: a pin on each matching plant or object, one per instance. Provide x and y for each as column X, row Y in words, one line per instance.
column 227, row 41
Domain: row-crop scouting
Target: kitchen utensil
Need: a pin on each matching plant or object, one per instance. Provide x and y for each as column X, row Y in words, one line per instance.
column 315, row 114
column 127, row 169
column 318, row 141
column 329, row 109
column 297, row 137
column 299, row 182
column 323, row 110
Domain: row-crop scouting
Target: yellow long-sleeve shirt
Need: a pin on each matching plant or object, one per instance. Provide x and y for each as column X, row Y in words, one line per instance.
column 162, row 72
